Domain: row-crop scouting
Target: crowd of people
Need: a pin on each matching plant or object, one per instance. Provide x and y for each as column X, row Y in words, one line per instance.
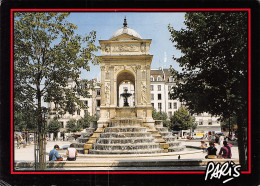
column 71, row 154
column 224, row 152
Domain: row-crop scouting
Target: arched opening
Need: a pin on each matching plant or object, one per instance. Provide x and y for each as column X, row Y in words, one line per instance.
column 125, row 83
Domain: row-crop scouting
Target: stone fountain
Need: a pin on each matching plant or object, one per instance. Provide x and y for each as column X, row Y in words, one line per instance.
column 126, row 130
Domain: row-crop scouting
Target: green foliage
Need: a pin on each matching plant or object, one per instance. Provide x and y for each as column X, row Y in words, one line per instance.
column 86, row 120
column 160, row 116
column 215, row 67
column 25, row 119
column 73, row 126
column 181, row 120
column 229, row 123
column 54, row 126
column 214, row 47
column 48, row 53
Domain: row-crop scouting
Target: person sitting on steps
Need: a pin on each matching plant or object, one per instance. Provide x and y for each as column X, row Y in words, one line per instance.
column 212, row 151
column 54, row 154
column 71, row 153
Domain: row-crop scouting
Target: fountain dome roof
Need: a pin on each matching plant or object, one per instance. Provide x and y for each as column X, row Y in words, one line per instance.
column 126, row 30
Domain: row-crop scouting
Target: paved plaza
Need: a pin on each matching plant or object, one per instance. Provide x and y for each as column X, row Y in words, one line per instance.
column 27, row 155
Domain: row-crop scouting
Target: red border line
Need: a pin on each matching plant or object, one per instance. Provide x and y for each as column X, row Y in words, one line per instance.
column 138, row 10
column 249, row 92
column 108, row 172
column 134, row 10
column 12, row 143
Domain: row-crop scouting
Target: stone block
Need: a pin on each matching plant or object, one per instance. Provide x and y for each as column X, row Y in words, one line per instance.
column 160, row 140
column 88, row 146
column 92, row 140
column 99, row 130
column 165, row 150
column 95, row 135
column 164, row 145
column 85, row 151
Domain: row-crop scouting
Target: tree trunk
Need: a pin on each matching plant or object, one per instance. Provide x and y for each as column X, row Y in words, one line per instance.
column 40, row 130
column 242, row 142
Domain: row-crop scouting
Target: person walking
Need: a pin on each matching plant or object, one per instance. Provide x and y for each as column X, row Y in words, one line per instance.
column 19, row 141
column 54, row 154
column 221, row 140
column 71, row 153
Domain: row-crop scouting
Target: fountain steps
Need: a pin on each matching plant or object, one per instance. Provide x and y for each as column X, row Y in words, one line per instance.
column 174, row 145
column 143, row 151
column 125, row 134
column 128, row 136
column 124, row 140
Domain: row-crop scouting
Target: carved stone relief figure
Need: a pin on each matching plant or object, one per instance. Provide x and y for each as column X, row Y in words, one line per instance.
column 143, row 93
column 107, row 93
column 143, row 47
column 107, row 48
column 125, row 48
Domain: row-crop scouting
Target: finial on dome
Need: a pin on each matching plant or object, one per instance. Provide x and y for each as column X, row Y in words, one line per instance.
column 125, row 23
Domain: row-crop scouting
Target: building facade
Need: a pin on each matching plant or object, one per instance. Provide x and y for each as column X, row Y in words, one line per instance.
column 161, row 84
column 92, row 102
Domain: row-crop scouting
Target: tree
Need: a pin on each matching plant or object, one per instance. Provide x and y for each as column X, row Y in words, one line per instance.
column 85, row 121
column 181, row 120
column 73, row 126
column 25, row 119
column 160, row 116
column 48, row 53
column 54, row 127
column 214, row 67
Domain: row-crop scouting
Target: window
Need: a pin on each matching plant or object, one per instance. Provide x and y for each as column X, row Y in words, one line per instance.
column 62, row 124
column 151, row 87
column 175, row 105
column 151, row 79
column 159, row 87
column 85, row 112
column 170, row 105
column 159, row 78
column 78, row 112
column 159, row 96
column 152, row 96
column 209, row 122
column 98, row 103
column 169, row 96
column 160, row 106
column 98, row 92
column 86, row 103
column 171, row 79
column 153, row 105
column 169, row 114
column 200, row 122
column 56, row 105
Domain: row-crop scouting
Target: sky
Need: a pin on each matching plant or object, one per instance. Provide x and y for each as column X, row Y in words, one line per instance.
column 149, row 25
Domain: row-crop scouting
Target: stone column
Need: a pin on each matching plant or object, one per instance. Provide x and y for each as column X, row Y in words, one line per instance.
column 148, row 83
column 103, row 85
column 138, row 84
column 112, row 86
